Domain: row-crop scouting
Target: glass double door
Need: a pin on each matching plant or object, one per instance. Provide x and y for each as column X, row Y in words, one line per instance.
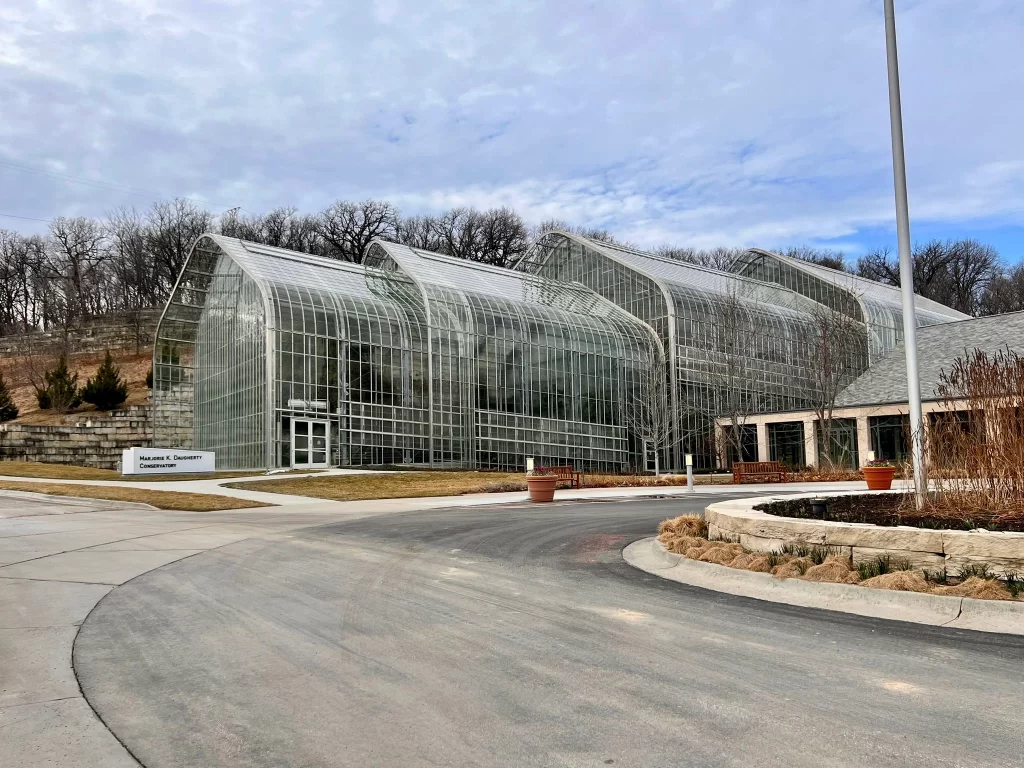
column 310, row 444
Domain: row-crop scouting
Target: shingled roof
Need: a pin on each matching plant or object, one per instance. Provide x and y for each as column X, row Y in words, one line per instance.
column 937, row 347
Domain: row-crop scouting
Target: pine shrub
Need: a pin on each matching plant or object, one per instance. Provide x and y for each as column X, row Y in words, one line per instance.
column 62, row 393
column 106, row 390
column 8, row 410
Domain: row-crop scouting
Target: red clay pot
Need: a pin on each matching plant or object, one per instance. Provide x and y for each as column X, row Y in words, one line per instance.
column 542, row 488
column 879, row 478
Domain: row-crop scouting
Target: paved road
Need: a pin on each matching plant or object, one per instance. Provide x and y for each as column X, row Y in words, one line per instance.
column 518, row 637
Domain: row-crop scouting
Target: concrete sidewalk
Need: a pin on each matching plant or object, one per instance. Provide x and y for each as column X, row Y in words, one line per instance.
column 218, row 487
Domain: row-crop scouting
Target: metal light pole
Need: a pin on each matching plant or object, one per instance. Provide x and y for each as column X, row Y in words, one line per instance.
column 899, row 170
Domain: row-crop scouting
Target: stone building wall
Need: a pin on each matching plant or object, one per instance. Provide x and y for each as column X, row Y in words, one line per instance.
column 89, row 441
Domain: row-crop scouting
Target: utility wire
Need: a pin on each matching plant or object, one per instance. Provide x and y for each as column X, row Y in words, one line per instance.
column 26, row 218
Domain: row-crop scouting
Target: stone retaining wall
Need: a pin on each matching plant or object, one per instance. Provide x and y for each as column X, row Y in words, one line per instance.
column 117, row 331
column 91, row 441
column 932, row 550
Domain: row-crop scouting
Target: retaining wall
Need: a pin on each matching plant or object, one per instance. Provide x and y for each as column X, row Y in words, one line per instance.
column 933, row 550
column 90, row 441
column 118, row 331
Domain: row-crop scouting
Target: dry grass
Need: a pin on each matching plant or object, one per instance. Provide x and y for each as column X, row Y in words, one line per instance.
column 401, row 485
column 68, row 472
column 687, row 536
column 188, row 502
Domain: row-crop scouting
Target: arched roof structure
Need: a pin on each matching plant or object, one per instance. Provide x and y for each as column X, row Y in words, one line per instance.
column 877, row 305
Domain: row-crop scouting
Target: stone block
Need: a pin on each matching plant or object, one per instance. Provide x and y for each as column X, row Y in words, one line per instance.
column 929, row 561
column 1003, row 545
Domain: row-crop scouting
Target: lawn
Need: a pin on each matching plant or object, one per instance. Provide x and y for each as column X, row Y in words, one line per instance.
column 401, row 485
column 189, row 502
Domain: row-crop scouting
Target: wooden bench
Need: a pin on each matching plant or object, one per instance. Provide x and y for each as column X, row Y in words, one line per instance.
column 567, row 475
column 758, row 469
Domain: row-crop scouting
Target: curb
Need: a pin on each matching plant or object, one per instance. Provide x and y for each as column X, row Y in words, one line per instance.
column 1004, row 617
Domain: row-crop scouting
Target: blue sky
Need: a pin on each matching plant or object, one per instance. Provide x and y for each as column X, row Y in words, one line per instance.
column 690, row 122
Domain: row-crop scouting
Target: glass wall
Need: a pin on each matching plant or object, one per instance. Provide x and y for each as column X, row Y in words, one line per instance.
column 879, row 306
column 735, row 346
column 414, row 358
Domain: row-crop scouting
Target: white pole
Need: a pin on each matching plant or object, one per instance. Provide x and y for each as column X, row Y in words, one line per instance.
column 899, row 170
column 689, row 472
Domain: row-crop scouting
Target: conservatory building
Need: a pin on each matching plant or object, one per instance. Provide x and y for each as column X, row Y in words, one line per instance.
column 273, row 358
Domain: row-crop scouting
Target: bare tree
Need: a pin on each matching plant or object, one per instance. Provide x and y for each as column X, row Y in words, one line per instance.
column 955, row 273
column 74, row 260
column 649, row 415
column 171, row 229
column 1004, row 293
column 348, row 228
column 504, row 236
column 838, row 353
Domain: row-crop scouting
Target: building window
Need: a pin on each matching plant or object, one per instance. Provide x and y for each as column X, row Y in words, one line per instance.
column 747, row 449
column 890, row 437
column 786, row 444
column 841, row 448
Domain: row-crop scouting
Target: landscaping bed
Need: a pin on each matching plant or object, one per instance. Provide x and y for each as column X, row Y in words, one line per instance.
column 890, row 509
column 688, row 536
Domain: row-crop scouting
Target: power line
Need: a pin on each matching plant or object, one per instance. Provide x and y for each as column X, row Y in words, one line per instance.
column 26, row 218
column 103, row 184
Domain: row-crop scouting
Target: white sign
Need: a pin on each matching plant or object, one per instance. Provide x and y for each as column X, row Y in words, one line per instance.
column 307, row 405
column 165, row 461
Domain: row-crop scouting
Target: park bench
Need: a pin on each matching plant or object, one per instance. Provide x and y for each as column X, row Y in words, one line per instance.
column 567, row 475
column 742, row 470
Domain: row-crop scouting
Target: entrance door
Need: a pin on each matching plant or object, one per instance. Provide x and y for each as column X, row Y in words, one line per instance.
column 310, row 444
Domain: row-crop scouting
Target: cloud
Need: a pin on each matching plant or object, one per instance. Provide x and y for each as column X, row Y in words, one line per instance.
column 700, row 123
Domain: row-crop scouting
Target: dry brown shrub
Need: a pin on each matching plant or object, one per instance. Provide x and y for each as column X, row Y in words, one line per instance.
column 792, row 569
column 759, row 563
column 694, row 553
column 721, row 554
column 834, row 569
column 853, row 577
column 742, row 561
column 976, row 587
column 680, row 544
column 685, row 525
column 906, row 581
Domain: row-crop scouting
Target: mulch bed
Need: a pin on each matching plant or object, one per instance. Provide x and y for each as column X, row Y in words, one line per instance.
column 889, row 509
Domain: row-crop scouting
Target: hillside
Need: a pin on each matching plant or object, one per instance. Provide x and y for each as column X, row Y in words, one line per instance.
column 17, row 371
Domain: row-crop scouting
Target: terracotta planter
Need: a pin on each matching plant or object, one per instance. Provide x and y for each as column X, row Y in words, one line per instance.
column 879, row 478
column 542, row 488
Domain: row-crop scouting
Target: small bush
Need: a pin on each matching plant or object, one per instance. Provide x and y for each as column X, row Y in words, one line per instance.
column 61, row 388
column 981, row 570
column 1014, row 583
column 106, row 390
column 880, row 566
column 149, row 377
column 776, row 559
column 43, row 398
column 8, row 410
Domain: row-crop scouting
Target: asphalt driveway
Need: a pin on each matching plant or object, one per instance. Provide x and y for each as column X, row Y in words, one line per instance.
column 517, row 636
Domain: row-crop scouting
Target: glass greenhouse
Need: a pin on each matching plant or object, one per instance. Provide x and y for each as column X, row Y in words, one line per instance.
column 274, row 358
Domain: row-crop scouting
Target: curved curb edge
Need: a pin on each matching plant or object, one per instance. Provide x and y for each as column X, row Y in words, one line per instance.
column 650, row 555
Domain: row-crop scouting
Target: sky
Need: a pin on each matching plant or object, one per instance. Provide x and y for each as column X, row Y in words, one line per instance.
column 687, row 122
